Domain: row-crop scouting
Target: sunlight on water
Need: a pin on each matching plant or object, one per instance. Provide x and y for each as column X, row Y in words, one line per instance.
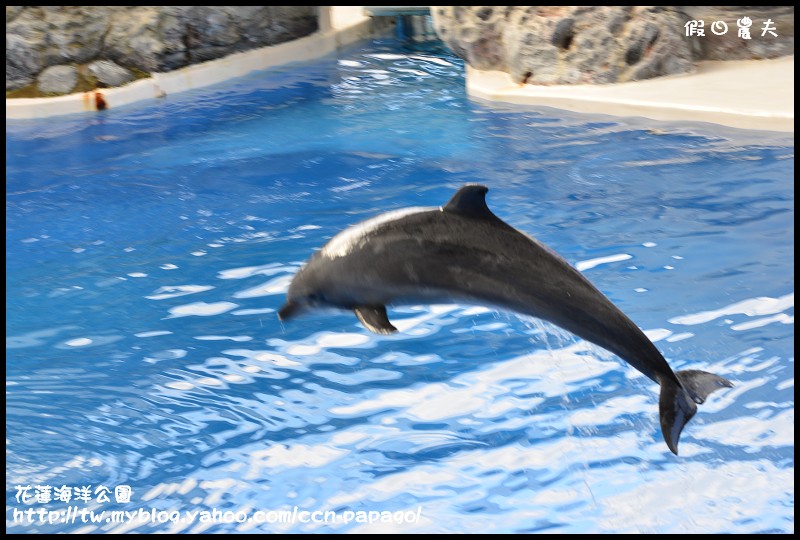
column 591, row 263
column 751, row 307
column 150, row 247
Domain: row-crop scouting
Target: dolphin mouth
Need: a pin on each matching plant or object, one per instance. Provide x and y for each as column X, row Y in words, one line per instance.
column 289, row 310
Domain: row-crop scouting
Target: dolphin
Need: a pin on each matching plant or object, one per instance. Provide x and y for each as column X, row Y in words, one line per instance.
column 461, row 252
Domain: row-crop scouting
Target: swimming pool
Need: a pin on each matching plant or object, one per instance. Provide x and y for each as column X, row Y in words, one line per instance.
column 148, row 248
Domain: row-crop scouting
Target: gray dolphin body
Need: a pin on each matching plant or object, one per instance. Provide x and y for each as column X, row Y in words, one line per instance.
column 462, row 252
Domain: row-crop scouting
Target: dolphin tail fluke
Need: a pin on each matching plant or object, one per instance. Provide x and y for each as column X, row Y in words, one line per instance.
column 678, row 403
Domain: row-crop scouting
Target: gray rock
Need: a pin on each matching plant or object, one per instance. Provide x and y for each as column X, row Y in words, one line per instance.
column 269, row 25
column 598, row 44
column 135, row 38
column 109, row 74
column 58, row 79
column 149, row 38
column 564, row 44
column 171, row 37
column 12, row 12
column 22, row 62
column 74, row 33
column 27, row 23
column 16, row 78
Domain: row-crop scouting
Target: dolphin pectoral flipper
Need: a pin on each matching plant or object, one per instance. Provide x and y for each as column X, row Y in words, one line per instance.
column 374, row 319
column 677, row 404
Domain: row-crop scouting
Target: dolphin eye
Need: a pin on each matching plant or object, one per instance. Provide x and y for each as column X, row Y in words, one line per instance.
column 316, row 297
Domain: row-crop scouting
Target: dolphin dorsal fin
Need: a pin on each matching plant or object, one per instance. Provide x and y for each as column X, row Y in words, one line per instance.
column 470, row 201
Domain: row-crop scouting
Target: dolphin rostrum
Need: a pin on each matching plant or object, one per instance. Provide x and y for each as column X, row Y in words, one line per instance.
column 462, row 252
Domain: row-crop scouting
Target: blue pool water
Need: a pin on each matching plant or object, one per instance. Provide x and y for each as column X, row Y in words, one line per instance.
column 148, row 248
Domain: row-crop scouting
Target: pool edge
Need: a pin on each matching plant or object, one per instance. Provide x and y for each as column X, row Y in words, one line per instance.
column 336, row 31
column 764, row 97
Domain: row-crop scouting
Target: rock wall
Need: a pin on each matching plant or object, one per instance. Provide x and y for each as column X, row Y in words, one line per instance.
column 56, row 46
column 602, row 44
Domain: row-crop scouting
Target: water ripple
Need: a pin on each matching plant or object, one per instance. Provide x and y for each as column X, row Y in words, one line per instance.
column 150, row 247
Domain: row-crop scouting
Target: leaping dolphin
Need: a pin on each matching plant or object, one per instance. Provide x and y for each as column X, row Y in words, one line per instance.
column 462, row 252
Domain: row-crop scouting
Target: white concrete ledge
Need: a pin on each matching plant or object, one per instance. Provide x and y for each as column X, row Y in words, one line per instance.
column 340, row 28
column 749, row 94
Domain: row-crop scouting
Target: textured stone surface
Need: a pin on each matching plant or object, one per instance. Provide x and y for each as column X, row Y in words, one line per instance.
column 148, row 38
column 22, row 62
column 109, row 74
column 599, row 44
column 58, row 79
